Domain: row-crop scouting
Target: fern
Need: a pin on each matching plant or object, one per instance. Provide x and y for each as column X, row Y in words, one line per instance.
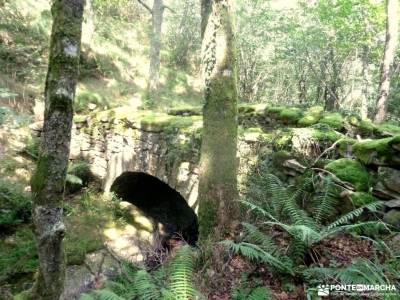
column 255, row 253
column 72, row 179
column 325, row 202
column 373, row 207
column 182, row 273
column 259, row 293
column 144, row 287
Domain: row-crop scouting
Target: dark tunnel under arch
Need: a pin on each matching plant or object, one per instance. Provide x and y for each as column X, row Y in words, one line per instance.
column 160, row 202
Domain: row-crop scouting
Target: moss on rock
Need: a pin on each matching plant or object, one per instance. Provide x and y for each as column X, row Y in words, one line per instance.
column 381, row 152
column 351, row 171
column 361, row 198
column 311, row 116
column 335, row 120
column 290, row 115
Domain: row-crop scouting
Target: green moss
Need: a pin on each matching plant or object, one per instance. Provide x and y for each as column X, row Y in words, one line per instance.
column 351, row 171
column 274, row 109
column 388, row 129
column 366, row 127
column 311, row 116
column 308, row 120
column 325, row 135
column 207, row 218
column 378, row 152
column 290, row 115
column 361, row 198
column 335, row 120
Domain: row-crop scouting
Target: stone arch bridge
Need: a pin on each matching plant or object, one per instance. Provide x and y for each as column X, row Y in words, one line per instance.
column 166, row 146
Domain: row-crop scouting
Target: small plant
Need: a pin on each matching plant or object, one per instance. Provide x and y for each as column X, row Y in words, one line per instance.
column 79, row 175
column 174, row 281
column 305, row 229
column 15, row 205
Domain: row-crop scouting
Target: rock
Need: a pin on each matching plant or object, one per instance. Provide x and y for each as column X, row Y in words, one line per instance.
column 99, row 266
column 383, row 192
column 294, row 165
column 392, row 217
column 393, row 203
column 390, row 178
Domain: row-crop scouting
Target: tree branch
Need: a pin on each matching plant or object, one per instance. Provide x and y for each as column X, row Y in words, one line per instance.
column 146, row 6
column 169, row 8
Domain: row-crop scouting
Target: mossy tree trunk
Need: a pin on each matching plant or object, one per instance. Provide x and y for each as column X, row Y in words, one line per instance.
column 218, row 164
column 49, row 178
column 392, row 26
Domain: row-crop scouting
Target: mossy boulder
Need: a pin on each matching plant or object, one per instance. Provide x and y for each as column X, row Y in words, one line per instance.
column 380, row 152
column 334, row 120
column 351, row 171
column 392, row 217
column 366, row 127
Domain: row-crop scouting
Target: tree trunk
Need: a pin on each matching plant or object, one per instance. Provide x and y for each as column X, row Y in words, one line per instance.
column 155, row 47
column 49, row 178
column 218, row 163
column 364, row 96
column 392, row 7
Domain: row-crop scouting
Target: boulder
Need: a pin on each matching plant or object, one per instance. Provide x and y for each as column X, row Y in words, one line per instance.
column 392, row 217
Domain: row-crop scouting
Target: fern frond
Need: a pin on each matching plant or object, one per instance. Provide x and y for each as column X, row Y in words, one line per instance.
column 255, row 253
column 107, row 295
column 373, row 207
column 73, row 179
column 307, row 235
column 144, row 287
column 254, row 235
column 258, row 209
column 325, row 202
column 260, row 293
column 182, row 273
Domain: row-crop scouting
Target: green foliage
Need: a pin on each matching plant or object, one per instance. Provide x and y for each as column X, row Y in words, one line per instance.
column 78, row 176
column 15, row 205
column 18, row 255
column 173, row 281
column 305, row 228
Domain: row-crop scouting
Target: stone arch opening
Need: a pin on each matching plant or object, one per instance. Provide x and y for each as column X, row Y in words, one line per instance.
column 160, row 203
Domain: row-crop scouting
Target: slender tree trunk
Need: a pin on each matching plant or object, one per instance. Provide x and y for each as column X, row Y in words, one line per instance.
column 364, row 96
column 392, row 26
column 155, row 48
column 49, row 178
column 218, row 163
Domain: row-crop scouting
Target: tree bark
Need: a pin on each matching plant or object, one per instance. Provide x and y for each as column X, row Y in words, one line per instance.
column 155, row 47
column 218, row 163
column 364, row 96
column 392, row 7
column 49, row 178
